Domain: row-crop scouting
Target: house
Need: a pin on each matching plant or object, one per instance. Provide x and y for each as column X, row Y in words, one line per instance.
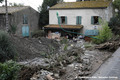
column 25, row 18
column 80, row 17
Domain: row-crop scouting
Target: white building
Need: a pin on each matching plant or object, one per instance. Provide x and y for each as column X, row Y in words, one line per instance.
column 79, row 16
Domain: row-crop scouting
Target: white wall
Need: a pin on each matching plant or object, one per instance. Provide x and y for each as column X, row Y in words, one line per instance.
column 86, row 14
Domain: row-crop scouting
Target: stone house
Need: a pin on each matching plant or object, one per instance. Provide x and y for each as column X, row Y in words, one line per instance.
column 82, row 16
column 24, row 18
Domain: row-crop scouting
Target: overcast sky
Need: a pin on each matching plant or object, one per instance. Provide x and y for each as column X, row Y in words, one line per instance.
column 32, row 3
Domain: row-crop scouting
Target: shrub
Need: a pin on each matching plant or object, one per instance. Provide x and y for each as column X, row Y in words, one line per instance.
column 115, row 24
column 105, row 33
column 9, row 70
column 12, row 29
column 39, row 33
column 7, row 50
column 64, row 41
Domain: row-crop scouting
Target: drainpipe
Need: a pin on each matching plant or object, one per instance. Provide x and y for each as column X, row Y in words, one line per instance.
column 7, row 23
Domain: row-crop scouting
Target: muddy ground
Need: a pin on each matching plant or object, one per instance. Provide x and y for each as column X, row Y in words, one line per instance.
column 30, row 48
column 67, row 61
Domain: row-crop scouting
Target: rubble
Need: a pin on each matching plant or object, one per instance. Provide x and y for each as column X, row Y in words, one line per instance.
column 70, row 64
column 110, row 46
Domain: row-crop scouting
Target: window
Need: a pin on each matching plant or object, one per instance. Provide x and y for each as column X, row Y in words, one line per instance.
column 78, row 0
column 25, row 19
column 82, row 0
column 78, row 20
column 86, row 0
column 95, row 20
column 62, row 20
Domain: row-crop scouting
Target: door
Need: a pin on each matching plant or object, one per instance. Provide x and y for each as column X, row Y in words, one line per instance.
column 25, row 31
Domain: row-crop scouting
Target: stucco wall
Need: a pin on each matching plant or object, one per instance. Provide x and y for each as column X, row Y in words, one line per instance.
column 86, row 14
column 17, row 19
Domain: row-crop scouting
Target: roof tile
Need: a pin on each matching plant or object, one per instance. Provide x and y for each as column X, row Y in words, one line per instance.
column 12, row 9
column 82, row 4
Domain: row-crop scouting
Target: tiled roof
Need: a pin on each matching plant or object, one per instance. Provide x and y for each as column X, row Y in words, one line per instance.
column 65, row 26
column 82, row 4
column 12, row 9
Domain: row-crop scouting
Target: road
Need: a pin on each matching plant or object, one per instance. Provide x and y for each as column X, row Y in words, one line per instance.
column 110, row 70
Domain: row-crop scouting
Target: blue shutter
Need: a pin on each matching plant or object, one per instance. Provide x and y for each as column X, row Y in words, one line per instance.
column 92, row 20
column 27, row 31
column 59, row 20
column 25, row 19
column 80, row 19
column 77, row 20
column 23, row 31
column 65, row 19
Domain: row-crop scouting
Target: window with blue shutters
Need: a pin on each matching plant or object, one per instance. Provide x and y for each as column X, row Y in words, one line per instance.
column 25, row 19
column 62, row 20
column 78, row 20
column 95, row 20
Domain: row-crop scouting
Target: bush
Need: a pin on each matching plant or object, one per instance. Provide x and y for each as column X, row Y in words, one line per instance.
column 7, row 50
column 115, row 24
column 12, row 29
column 63, row 41
column 9, row 70
column 39, row 33
column 105, row 33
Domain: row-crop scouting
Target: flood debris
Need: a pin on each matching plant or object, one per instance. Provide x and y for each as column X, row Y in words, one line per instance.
column 69, row 61
column 110, row 46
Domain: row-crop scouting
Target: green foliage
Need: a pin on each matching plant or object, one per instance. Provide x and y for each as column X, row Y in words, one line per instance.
column 39, row 33
column 12, row 29
column 115, row 21
column 65, row 47
column 105, row 33
column 7, row 50
column 64, row 41
column 88, row 45
column 44, row 11
column 116, row 4
column 1, row 1
column 9, row 70
column 17, row 5
column 115, row 24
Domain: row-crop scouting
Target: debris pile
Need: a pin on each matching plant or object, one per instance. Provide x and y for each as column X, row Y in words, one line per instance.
column 110, row 46
column 30, row 48
column 70, row 62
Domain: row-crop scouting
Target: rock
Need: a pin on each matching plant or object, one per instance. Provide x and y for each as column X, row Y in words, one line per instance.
column 44, row 72
column 49, row 77
column 41, row 75
column 56, row 76
column 62, row 71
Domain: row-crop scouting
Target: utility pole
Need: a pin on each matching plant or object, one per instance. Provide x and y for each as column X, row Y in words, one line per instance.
column 7, row 23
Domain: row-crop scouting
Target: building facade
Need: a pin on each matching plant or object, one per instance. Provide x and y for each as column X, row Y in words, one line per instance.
column 85, row 13
column 24, row 18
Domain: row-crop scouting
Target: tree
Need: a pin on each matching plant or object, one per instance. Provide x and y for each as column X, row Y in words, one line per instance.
column 116, row 4
column 115, row 21
column 15, row 4
column 44, row 11
column 1, row 1
column 105, row 33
